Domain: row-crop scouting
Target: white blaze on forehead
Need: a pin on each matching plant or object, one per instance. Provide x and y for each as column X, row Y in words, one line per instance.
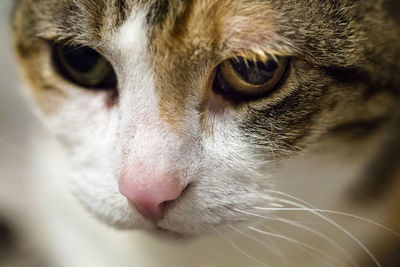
column 132, row 33
column 135, row 75
column 148, row 145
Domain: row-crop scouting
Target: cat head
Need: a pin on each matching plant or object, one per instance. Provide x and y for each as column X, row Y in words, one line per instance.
column 177, row 113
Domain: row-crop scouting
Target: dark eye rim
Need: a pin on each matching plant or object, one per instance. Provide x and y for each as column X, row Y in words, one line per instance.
column 238, row 97
column 109, row 83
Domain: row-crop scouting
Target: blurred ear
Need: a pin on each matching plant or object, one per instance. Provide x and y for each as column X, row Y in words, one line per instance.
column 393, row 9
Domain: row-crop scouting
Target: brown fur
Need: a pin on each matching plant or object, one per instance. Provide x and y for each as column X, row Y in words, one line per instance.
column 345, row 62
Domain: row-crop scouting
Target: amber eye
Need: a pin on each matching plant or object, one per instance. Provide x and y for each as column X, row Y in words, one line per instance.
column 242, row 77
column 84, row 66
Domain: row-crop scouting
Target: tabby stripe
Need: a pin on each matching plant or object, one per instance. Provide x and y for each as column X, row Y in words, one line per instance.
column 158, row 12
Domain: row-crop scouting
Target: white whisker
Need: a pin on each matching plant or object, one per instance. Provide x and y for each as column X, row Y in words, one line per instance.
column 312, row 253
column 296, row 242
column 308, row 229
column 238, row 248
column 276, row 205
column 329, row 220
column 269, row 247
column 333, row 212
column 338, row 212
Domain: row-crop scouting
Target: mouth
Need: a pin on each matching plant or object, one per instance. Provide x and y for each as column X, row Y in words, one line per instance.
column 167, row 234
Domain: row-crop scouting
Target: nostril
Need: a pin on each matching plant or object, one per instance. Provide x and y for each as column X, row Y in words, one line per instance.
column 187, row 187
column 185, row 190
column 165, row 204
column 152, row 200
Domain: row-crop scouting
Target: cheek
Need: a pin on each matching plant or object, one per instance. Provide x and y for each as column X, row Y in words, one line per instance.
column 98, row 192
column 230, row 153
column 83, row 118
column 222, row 167
column 95, row 165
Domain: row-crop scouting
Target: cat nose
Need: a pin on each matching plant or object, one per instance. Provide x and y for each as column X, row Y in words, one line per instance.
column 151, row 199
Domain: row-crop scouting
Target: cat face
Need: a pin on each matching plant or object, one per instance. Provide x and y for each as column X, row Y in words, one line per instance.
column 176, row 114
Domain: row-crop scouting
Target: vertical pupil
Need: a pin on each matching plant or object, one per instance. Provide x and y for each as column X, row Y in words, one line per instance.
column 256, row 73
column 81, row 59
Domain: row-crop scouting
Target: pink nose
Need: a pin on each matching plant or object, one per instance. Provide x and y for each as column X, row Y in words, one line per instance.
column 151, row 198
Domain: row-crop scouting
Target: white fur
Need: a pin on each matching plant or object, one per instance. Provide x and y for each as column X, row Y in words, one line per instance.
column 222, row 169
column 57, row 217
column 225, row 173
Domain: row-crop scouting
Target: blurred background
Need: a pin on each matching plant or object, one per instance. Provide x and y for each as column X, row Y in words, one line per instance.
column 17, row 126
column 20, row 212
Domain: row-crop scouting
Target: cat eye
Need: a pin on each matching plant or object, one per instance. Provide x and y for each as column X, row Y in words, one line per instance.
column 249, row 78
column 84, row 66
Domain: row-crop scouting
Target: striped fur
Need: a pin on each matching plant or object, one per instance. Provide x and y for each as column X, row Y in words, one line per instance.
column 340, row 94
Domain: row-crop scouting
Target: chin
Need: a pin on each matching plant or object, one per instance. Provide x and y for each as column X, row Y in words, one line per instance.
column 165, row 234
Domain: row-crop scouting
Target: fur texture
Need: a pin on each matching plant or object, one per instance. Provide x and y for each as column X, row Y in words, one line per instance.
column 343, row 75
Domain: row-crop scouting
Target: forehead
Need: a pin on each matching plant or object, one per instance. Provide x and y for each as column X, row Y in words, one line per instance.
column 285, row 26
column 86, row 21
column 183, row 38
column 189, row 38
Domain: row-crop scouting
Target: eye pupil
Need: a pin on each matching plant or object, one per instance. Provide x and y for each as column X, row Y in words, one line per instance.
column 84, row 66
column 254, row 72
column 240, row 79
column 82, row 59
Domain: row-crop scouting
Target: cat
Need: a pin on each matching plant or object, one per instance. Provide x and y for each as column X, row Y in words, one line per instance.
column 251, row 133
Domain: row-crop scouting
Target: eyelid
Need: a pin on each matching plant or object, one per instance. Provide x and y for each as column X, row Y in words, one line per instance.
column 83, row 66
column 65, row 39
column 231, row 84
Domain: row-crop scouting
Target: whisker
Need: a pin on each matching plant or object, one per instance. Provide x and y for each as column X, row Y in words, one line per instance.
column 331, row 221
column 241, row 251
column 333, row 212
column 296, row 242
column 276, row 205
column 269, row 247
column 276, row 218
column 308, row 229
column 312, row 254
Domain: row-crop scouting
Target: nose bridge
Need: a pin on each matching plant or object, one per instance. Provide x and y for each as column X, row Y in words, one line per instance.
column 150, row 160
column 149, row 145
column 149, row 177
